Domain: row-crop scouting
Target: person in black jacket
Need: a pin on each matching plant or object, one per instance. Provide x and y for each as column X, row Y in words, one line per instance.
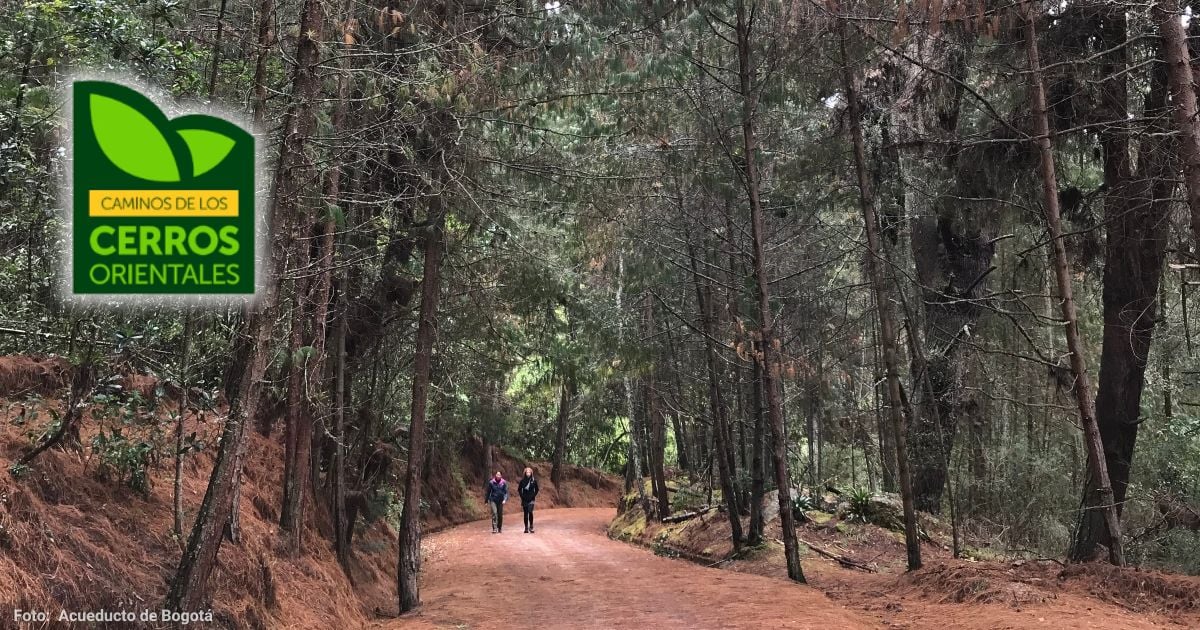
column 496, row 495
column 528, row 489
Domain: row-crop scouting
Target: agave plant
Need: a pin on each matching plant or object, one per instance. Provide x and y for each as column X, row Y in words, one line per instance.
column 859, row 505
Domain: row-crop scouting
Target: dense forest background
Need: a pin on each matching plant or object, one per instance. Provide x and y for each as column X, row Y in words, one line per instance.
column 655, row 238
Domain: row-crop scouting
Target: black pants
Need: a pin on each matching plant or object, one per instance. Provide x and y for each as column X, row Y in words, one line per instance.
column 528, row 509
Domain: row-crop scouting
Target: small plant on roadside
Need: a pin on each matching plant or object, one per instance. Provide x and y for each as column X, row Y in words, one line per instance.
column 663, row 550
column 859, row 500
column 18, row 470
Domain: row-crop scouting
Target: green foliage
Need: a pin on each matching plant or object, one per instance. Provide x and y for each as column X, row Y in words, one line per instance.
column 387, row 503
column 37, row 436
column 802, row 503
column 859, row 505
column 124, row 459
column 688, row 498
column 18, row 471
column 131, row 439
column 381, row 503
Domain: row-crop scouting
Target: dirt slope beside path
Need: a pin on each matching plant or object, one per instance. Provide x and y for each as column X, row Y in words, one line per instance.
column 570, row 575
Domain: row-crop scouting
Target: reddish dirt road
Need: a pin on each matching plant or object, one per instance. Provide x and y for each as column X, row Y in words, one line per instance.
column 570, row 575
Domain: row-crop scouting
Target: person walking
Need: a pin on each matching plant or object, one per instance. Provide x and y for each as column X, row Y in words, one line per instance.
column 496, row 496
column 528, row 489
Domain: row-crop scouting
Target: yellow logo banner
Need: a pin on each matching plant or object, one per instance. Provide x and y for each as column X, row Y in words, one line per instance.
column 162, row 203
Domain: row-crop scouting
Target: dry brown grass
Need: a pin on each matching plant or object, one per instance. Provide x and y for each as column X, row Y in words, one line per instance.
column 1140, row 590
column 71, row 541
column 945, row 593
column 21, row 375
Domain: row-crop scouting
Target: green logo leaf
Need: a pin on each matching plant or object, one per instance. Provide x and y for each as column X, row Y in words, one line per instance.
column 132, row 142
column 208, row 148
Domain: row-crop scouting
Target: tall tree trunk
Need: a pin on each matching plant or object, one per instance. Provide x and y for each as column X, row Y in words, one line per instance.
column 1136, row 207
column 770, row 349
column 266, row 37
column 216, row 50
column 716, row 403
column 876, row 261
column 682, row 443
column 757, row 481
column 657, row 443
column 889, row 481
column 952, row 246
column 341, row 527
column 184, row 360
column 1183, row 102
column 410, row 521
column 735, row 272
column 189, row 587
column 298, row 419
column 566, row 394
column 298, row 428
column 633, row 459
column 683, row 448
column 633, row 472
column 1062, row 269
column 322, row 289
column 658, row 427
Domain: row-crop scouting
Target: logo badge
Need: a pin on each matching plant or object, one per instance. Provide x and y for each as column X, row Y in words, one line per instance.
column 160, row 206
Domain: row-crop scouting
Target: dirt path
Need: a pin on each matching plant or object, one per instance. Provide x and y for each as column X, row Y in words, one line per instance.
column 570, row 575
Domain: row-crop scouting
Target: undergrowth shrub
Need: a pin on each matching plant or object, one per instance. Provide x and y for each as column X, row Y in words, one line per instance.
column 859, row 501
column 131, row 438
column 802, row 503
column 688, row 499
column 123, row 459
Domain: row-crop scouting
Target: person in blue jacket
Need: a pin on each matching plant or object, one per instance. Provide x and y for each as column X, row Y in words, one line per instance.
column 496, row 496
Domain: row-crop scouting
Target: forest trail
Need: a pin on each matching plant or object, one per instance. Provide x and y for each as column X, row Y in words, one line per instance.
column 571, row 575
